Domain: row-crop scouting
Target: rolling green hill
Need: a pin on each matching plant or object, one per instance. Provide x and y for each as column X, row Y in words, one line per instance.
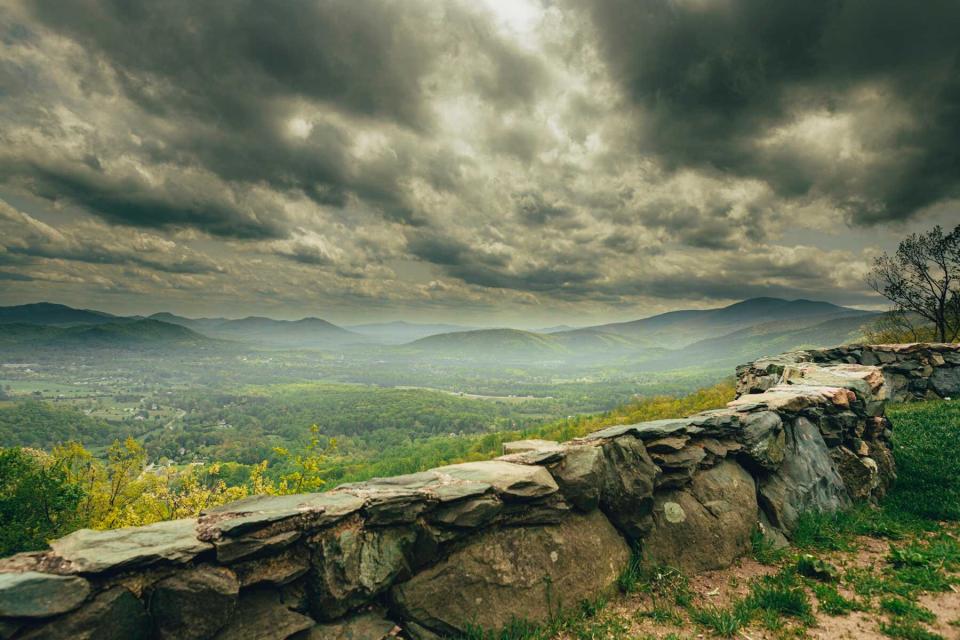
column 132, row 334
column 485, row 343
column 678, row 329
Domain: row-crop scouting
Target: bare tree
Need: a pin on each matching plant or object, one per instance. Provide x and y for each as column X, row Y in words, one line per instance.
column 922, row 279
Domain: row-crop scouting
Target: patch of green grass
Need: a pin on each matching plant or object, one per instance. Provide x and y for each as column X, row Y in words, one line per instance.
column 764, row 549
column 631, row 578
column 779, row 594
column 662, row 614
column 906, row 630
column 832, row 602
column 907, row 610
column 928, row 469
column 724, row 622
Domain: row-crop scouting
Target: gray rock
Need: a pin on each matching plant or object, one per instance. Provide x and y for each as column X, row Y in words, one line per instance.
column 276, row 570
column 763, row 438
column 351, row 565
column 510, row 480
column 39, row 595
column 806, row 480
column 304, row 510
column 193, row 604
column 89, row 551
column 115, row 614
column 261, row 616
column 233, row 549
column 707, row 525
column 860, row 474
column 363, row 626
column 470, row 513
column 518, row 572
column 579, row 473
column 626, row 487
column 946, row 382
column 520, row 446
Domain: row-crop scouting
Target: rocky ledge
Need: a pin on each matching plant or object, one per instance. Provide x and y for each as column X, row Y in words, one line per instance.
column 539, row 529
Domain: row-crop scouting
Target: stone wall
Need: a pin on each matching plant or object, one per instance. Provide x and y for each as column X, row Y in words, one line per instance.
column 428, row 554
column 915, row 371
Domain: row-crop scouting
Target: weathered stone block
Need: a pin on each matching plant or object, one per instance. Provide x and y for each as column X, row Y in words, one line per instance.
column 707, row 525
column 517, row 572
column 193, row 604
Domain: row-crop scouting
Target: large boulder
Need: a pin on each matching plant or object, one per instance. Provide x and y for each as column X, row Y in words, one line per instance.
column 193, row 604
column 39, row 595
column 115, row 614
column 351, row 565
column 89, row 551
column 706, row 525
column 805, row 481
column 626, row 485
column 519, row 572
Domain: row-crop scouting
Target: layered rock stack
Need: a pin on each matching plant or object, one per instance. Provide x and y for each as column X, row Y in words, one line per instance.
column 916, row 371
column 523, row 536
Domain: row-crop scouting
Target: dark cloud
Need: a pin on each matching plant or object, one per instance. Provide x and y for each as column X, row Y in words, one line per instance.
column 228, row 78
column 536, row 211
column 715, row 82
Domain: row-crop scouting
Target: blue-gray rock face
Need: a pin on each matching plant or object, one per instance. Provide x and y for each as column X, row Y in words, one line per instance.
column 805, row 481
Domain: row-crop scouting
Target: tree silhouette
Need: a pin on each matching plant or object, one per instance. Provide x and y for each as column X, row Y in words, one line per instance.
column 922, row 279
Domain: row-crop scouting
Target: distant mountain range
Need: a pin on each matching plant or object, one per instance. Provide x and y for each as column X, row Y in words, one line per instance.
column 741, row 331
column 400, row 332
column 125, row 334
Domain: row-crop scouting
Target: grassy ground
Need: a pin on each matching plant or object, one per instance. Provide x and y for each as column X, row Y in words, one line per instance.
column 891, row 571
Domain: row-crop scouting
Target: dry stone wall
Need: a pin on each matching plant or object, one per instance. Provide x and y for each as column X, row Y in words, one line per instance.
column 429, row 554
column 914, row 371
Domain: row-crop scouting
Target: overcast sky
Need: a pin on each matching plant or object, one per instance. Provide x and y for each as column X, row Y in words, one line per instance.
column 516, row 162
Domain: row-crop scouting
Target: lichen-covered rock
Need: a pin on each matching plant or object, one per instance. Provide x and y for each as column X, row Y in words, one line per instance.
column 517, row 572
column 261, row 616
column 115, row 614
column 89, row 551
column 860, row 474
column 626, row 486
column 708, row 524
column 31, row 594
column 352, row 564
column 763, row 438
column 806, row 480
column 363, row 626
column 193, row 604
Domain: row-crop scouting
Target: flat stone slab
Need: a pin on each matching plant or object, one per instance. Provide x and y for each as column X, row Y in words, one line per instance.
column 521, row 446
column 509, row 479
column 793, row 398
column 37, row 595
column 89, row 551
column 867, row 380
column 255, row 512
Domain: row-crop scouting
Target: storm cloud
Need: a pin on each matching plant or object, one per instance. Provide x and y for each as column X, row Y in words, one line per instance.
column 595, row 157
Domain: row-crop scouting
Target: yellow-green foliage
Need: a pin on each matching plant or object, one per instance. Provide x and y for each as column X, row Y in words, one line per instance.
column 123, row 490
